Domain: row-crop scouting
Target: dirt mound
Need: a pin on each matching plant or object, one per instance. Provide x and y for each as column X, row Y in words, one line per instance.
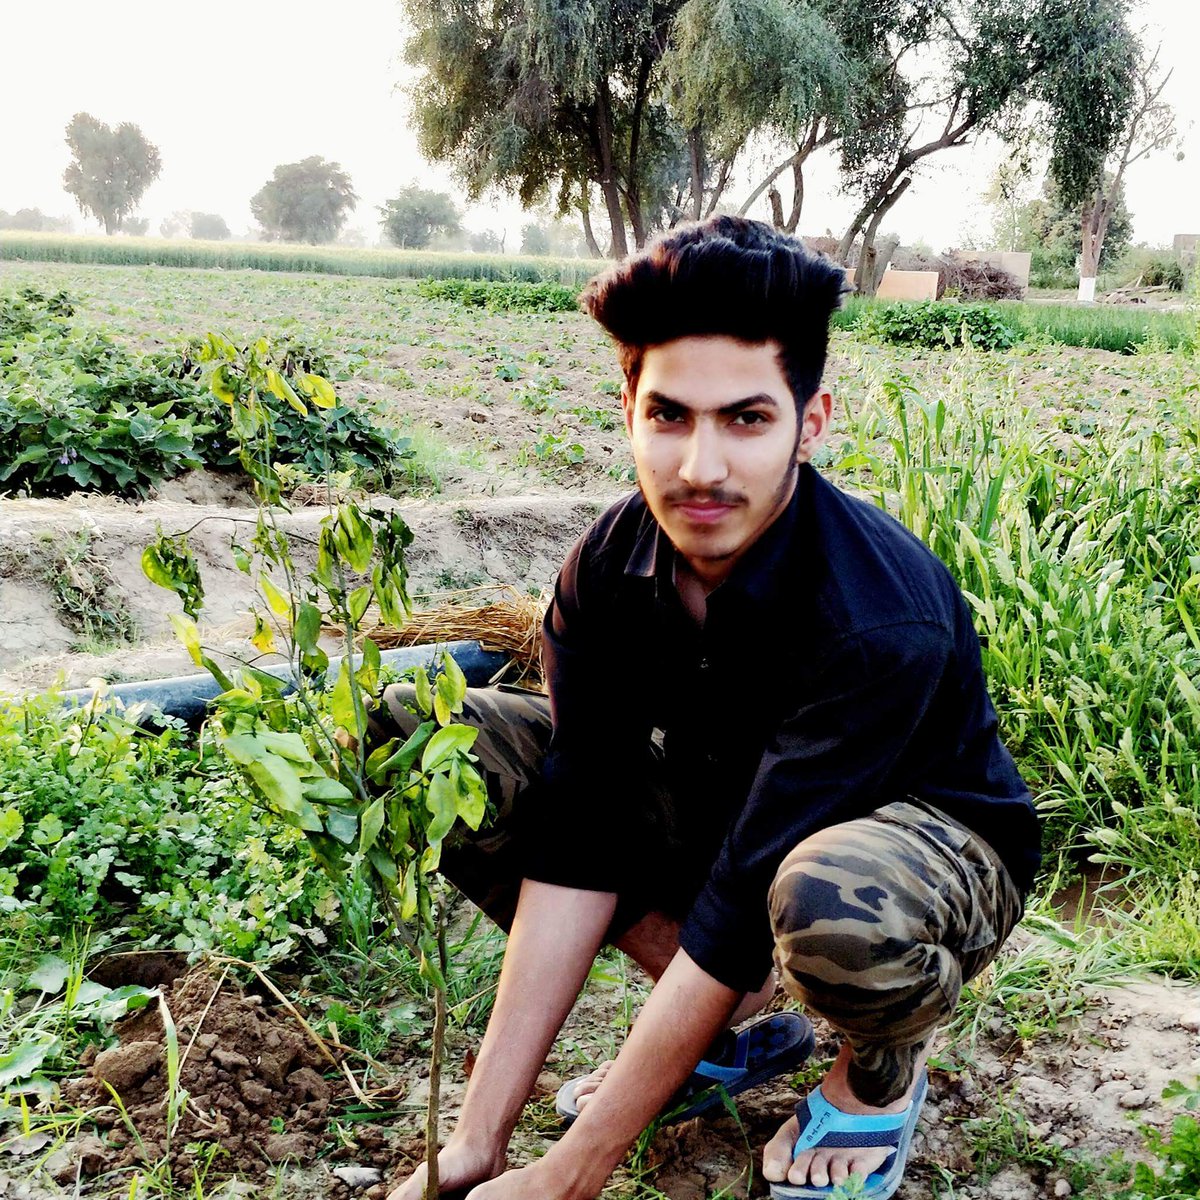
column 252, row 1078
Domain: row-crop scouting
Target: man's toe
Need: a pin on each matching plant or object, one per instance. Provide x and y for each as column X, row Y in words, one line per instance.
column 777, row 1154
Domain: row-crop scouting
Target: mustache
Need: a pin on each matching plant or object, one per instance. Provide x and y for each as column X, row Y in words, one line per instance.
column 709, row 496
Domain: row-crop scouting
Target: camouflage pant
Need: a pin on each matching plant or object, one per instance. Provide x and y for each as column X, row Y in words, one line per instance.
column 878, row 922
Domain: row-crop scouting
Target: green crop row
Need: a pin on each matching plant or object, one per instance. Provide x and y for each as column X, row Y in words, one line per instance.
column 1002, row 323
column 321, row 260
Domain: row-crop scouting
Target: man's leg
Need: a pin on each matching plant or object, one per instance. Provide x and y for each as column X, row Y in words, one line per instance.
column 878, row 923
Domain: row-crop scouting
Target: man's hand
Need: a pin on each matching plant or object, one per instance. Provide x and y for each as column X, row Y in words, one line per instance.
column 460, row 1165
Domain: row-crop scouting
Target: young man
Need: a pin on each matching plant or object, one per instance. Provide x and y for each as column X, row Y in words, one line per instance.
column 771, row 743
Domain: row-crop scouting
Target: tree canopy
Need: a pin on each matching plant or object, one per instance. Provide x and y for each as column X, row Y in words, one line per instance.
column 306, row 201
column 413, row 218
column 110, row 169
column 651, row 103
column 210, row 227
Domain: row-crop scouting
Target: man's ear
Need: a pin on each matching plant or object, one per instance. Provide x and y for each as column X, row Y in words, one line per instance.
column 815, row 421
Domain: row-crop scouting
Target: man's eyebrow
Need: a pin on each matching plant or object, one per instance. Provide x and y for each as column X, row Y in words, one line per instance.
column 760, row 399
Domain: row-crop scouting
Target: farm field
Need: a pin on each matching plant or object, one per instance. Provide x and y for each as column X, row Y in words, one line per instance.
column 1060, row 484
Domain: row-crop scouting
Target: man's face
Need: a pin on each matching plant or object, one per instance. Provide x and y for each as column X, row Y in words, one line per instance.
column 716, row 442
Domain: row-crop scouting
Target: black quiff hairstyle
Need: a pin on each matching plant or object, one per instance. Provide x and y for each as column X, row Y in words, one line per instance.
column 729, row 276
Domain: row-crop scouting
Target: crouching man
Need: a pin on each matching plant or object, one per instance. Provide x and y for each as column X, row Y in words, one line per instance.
column 767, row 752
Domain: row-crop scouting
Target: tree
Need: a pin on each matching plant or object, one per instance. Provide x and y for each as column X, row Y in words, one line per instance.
column 305, row 201
column 33, row 220
column 416, row 214
column 486, row 241
column 534, row 239
column 177, row 224
column 111, row 171
column 1051, row 228
column 136, row 226
column 1149, row 126
column 1007, row 196
column 1069, row 62
column 209, row 227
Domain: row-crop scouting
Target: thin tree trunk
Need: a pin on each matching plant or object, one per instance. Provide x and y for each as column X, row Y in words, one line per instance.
column 436, row 1054
column 585, row 213
column 776, row 207
column 696, row 162
column 866, row 277
column 793, row 220
column 608, row 177
column 714, row 197
column 633, row 179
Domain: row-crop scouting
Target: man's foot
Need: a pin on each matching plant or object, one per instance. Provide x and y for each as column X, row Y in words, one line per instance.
column 829, row 1166
column 460, row 1167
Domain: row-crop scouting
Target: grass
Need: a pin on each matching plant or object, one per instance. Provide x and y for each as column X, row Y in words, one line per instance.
column 267, row 256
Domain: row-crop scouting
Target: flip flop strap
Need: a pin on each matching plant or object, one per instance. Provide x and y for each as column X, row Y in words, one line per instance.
column 823, row 1125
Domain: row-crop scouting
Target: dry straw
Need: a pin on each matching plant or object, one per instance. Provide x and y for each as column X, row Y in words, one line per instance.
column 510, row 624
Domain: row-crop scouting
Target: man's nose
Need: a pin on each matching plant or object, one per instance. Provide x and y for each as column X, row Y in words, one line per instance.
column 704, row 463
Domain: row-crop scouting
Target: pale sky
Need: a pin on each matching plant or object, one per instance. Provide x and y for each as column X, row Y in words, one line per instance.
column 227, row 90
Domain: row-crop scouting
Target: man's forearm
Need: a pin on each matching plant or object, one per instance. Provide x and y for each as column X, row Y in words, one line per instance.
column 555, row 936
column 684, row 1012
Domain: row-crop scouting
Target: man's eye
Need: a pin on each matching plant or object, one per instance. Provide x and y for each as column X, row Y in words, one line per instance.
column 665, row 415
column 750, row 418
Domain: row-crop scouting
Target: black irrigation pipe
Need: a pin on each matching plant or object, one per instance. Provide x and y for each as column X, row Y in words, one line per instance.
column 188, row 696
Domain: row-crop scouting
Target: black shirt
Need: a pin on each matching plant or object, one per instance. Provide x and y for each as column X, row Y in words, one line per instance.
column 837, row 670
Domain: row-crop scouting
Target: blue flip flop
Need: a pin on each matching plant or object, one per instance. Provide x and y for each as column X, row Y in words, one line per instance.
column 736, row 1062
column 822, row 1125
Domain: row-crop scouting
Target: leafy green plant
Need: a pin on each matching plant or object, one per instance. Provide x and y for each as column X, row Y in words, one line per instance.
column 935, row 323
column 109, row 825
column 516, row 296
column 380, row 815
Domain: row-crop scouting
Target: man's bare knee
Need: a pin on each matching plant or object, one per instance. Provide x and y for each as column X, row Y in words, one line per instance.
column 651, row 943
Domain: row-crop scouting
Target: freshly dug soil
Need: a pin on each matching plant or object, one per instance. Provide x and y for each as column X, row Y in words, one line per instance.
column 252, row 1076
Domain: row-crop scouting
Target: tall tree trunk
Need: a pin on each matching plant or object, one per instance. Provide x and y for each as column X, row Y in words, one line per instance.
column 608, row 174
column 633, row 178
column 585, row 213
column 1097, row 212
column 793, row 220
column 696, row 163
column 776, row 207
column 869, row 273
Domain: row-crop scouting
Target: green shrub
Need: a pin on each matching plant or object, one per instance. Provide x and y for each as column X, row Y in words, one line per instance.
column 933, row 324
column 106, row 825
column 1164, row 272
column 502, row 297
column 77, row 410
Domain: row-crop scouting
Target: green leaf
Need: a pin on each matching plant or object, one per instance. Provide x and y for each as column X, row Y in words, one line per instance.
column 322, row 391
column 372, row 823
column 281, row 605
column 188, row 635
column 447, row 741
column 308, row 626
column 472, row 796
column 384, row 866
column 368, row 672
column 282, row 390
column 354, row 537
column 47, row 831
column 11, row 826
column 450, row 695
column 357, row 603
column 342, row 825
column 327, row 791
column 402, row 760
column 443, row 807
column 278, row 780
column 342, row 700
column 424, row 691
column 456, row 681
column 408, row 894
column 50, row 974
column 22, row 1062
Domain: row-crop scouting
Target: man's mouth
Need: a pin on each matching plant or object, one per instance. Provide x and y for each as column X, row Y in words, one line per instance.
column 704, row 509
